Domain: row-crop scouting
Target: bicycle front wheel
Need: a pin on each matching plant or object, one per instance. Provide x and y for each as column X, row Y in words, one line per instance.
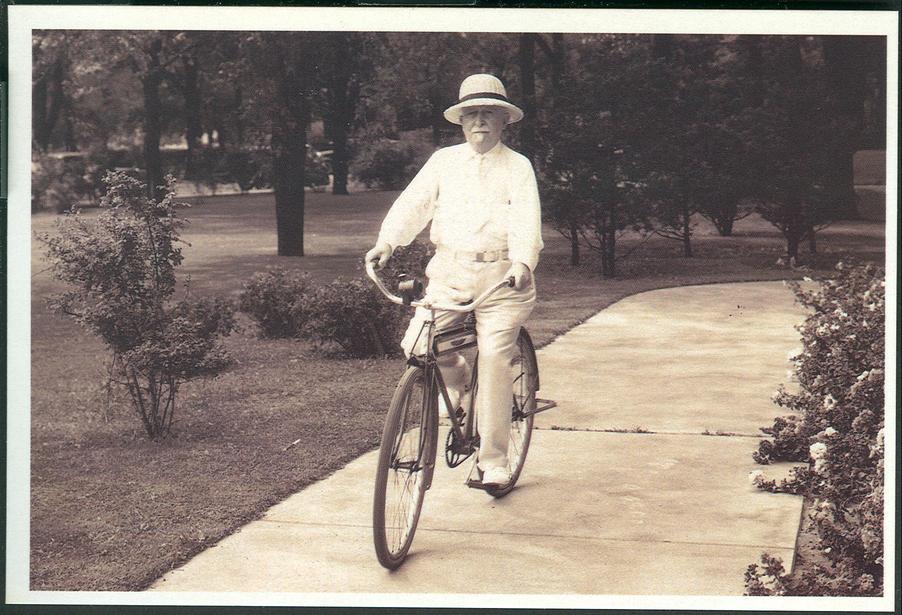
column 525, row 373
column 406, row 462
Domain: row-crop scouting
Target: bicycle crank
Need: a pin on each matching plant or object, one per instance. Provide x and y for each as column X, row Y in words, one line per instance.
column 456, row 452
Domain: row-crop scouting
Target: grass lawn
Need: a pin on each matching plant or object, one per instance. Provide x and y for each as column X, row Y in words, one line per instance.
column 112, row 511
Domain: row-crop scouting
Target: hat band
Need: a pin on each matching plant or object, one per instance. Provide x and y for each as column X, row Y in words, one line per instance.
column 484, row 95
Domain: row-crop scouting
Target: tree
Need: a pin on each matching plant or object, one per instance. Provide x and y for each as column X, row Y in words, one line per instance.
column 665, row 141
column 686, row 144
column 592, row 174
column 847, row 71
column 191, row 91
column 791, row 138
column 345, row 67
column 526, row 60
column 149, row 55
column 50, row 69
column 280, row 66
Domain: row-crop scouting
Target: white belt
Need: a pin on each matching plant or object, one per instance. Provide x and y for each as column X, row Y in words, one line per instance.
column 489, row 256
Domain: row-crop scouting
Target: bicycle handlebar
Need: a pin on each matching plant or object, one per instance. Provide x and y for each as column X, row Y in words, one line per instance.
column 451, row 307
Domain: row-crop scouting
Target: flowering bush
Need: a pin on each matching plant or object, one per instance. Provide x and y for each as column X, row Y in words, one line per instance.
column 121, row 268
column 837, row 426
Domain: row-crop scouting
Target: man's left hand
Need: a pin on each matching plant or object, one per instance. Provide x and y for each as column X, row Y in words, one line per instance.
column 521, row 274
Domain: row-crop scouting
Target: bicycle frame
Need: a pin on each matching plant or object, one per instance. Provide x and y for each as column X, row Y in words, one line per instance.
column 465, row 435
column 429, row 363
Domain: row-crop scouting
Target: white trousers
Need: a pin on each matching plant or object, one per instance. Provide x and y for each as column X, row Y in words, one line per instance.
column 498, row 322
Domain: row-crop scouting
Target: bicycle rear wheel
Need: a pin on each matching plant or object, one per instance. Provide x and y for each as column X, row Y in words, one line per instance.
column 525, row 372
column 406, row 463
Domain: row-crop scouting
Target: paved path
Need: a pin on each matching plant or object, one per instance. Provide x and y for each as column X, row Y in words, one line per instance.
column 601, row 508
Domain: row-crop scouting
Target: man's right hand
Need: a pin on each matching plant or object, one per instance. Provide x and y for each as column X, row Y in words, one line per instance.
column 379, row 255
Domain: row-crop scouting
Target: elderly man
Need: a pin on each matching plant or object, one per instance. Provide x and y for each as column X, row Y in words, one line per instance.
column 483, row 202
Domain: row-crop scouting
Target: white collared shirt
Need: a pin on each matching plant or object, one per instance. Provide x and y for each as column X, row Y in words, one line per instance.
column 476, row 202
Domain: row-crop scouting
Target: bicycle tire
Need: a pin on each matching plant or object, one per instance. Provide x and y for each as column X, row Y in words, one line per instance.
column 406, row 463
column 524, row 388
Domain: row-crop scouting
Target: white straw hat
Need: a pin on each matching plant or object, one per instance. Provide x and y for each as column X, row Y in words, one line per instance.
column 483, row 90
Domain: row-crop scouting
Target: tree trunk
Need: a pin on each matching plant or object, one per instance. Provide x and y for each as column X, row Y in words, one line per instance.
column 152, row 119
column 877, row 59
column 687, row 232
column 528, row 92
column 609, row 259
column 574, row 243
column 40, row 132
column 289, row 157
column 724, row 225
column 812, row 241
column 609, row 255
column 47, row 103
column 792, row 246
column 557, row 64
column 69, row 143
column 342, row 99
column 340, row 161
column 438, row 117
column 223, row 138
column 289, row 146
column 239, row 122
column 193, row 128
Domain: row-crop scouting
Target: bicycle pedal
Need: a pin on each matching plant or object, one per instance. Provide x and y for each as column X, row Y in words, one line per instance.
column 473, row 483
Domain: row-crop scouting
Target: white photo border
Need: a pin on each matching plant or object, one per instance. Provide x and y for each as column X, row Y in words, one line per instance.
column 23, row 19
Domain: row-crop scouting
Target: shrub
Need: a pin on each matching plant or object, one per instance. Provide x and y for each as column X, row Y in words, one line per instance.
column 388, row 165
column 346, row 317
column 354, row 319
column 410, row 260
column 837, row 426
column 278, row 301
column 121, row 267
column 59, row 183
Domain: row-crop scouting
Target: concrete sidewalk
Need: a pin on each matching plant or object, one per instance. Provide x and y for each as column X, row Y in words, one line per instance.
column 602, row 507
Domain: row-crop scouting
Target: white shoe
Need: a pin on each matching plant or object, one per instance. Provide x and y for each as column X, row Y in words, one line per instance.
column 496, row 477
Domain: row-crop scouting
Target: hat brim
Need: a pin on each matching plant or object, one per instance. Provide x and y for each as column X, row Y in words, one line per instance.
column 514, row 113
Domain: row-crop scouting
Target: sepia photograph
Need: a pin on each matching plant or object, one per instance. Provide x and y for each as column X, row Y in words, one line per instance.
column 452, row 307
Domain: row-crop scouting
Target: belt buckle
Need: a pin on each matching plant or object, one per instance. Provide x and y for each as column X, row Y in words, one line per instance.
column 480, row 257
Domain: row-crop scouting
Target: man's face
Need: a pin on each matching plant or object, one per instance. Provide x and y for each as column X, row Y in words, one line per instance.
column 483, row 126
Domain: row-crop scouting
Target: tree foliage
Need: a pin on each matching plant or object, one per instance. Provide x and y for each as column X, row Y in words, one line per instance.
column 708, row 125
column 791, row 137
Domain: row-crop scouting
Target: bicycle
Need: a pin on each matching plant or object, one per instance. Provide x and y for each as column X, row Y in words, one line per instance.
column 409, row 442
